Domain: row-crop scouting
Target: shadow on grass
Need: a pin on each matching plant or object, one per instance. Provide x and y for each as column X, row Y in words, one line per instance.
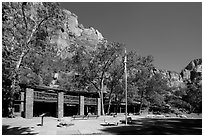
column 7, row 130
column 146, row 126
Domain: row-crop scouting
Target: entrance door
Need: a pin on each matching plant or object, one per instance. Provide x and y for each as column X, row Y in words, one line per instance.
column 90, row 109
column 70, row 110
column 44, row 107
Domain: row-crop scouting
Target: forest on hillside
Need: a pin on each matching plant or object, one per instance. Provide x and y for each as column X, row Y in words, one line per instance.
column 31, row 55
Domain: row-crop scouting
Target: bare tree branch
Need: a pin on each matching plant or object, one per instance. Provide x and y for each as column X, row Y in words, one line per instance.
column 24, row 17
column 25, row 51
column 106, row 64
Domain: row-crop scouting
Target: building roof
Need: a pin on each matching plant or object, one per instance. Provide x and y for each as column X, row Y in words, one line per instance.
column 55, row 89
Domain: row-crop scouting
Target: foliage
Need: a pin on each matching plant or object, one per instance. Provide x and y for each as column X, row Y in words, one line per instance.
column 138, row 75
column 156, row 89
column 115, row 82
column 194, row 96
column 187, row 98
column 92, row 67
column 29, row 57
column 26, row 28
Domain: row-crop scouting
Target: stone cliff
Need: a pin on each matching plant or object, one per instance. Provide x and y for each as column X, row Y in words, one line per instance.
column 174, row 79
column 192, row 71
column 188, row 75
column 74, row 34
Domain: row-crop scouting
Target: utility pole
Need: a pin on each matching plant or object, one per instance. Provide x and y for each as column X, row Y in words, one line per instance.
column 125, row 61
column 102, row 103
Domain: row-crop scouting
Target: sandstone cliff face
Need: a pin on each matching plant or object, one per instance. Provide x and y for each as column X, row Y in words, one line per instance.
column 192, row 71
column 75, row 34
column 174, row 79
column 187, row 75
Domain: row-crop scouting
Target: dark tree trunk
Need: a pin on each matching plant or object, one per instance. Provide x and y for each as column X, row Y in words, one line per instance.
column 109, row 105
column 109, row 101
column 102, row 103
column 141, row 101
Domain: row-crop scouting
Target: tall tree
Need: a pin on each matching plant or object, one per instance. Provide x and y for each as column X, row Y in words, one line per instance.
column 92, row 67
column 114, row 81
column 139, row 74
column 156, row 90
column 26, row 30
column 194, row 95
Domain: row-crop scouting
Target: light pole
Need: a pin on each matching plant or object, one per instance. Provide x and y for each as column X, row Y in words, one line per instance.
column 125, row 61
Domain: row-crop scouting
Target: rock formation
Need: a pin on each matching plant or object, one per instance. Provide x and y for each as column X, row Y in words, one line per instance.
column 74, row 34
column 174, row 79
column 191, row 72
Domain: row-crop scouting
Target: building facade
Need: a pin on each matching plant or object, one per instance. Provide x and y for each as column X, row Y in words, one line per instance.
column 36, row 100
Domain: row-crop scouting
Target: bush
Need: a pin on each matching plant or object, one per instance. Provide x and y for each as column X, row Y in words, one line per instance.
column 180, row 104
column 160, row 109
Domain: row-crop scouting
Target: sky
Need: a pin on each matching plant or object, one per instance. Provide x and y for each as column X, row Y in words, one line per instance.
column 170, row 32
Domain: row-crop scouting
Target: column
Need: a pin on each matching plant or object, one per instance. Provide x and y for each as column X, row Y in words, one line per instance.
column 22, row 104
column 81, row 105
column 99, row 106
column 60, row 104
column 29, row 103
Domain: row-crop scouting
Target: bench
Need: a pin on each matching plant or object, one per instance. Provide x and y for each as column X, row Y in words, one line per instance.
column 78, row 116
column 90, row 116
column 109, row 124
column 129, row 121
column 113, row 114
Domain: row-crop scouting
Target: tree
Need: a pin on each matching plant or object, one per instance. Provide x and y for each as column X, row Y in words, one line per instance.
column 115, row 81
column 188, row 98
column 92, row 66
column 194, row 96
column 139, row 74
column 26, row 29
column 156, row 90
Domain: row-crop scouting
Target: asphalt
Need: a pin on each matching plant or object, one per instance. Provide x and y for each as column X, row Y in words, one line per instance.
column 54, row 126
column 92, row 126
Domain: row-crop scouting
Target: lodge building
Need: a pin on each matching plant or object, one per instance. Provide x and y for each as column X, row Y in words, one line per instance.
column 35, row 100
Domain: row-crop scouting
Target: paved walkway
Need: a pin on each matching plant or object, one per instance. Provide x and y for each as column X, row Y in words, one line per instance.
column 21, row 126
column 33, row 126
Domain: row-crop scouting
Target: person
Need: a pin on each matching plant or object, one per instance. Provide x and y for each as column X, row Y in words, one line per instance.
column 10, row 112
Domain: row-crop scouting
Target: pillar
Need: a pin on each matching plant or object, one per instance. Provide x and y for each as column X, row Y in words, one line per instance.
column 60, row 104
column 29, row 103
column 81, row 105
column 99, row 106
column 22, row 103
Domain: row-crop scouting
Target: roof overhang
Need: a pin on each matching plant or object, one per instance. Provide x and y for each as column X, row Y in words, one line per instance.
column 54, row 89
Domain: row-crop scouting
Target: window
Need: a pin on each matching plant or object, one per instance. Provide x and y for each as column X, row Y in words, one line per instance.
column 16, row 108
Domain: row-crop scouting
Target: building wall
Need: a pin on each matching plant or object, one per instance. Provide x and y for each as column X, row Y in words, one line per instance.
column 34, row 103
